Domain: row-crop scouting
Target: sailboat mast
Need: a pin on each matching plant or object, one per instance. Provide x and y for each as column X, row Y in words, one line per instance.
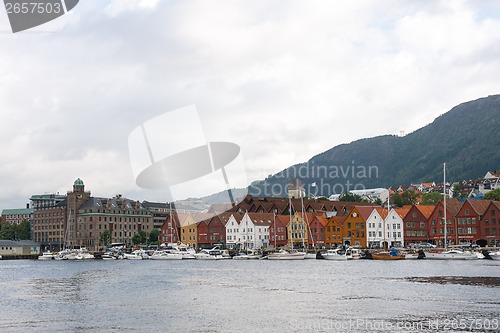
column 444, row 204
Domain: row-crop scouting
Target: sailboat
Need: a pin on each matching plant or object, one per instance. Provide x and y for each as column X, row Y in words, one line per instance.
column 290, row 254
column 454, row 254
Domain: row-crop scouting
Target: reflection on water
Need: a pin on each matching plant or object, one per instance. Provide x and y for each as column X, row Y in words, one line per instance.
column 263, row 296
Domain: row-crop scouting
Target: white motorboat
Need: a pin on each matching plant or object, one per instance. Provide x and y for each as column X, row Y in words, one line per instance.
column 451, row 255
column 185, row 251
column 165, row 255
column 495, row 255
column 83, row 254
column 46, row 256
column 286, row 255
column 136, row 255
column 338, row 254
column 245, row 256
column 213, row 254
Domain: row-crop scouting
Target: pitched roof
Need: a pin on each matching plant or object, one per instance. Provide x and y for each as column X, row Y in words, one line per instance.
column 17, row 211
column 403, row 211
column 261, row 219
column 453, row 206
column 365, row 211
column 426, row 210
column 479, row 206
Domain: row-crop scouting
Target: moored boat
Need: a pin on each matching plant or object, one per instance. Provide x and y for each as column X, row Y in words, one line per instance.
column 286, row 255
column 339, row 254
column 46, row 256
column 213, row 254
column 388, row 255
column 451, row 255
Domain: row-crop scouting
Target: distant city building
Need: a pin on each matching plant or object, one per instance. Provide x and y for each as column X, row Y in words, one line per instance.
column 81, row 220
column 17, row 215
column 46, row 201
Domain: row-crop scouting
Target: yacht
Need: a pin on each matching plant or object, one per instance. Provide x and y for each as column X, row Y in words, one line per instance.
column 165, row 254
column 136, row 255
column 46, row 256
column 286, row 255
column 338, row 254
column 213, row 254
column 450, row 255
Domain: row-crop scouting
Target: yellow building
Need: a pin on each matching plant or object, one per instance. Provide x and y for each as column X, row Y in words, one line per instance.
column 189, row 232
column 298, row 230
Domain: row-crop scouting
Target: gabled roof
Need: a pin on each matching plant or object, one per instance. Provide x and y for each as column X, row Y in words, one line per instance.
column 426, row 210
column 382, row 212
column 321, row 219
column 452, row 205
column 261, row 219
column 403, row 211
column 479, row 206
column 365, row 211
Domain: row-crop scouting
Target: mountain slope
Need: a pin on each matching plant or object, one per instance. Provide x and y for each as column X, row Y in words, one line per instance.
column 466, row 138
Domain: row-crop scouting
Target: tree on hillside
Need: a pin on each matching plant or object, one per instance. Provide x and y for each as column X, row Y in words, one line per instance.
column 431, row 198
column 404, row 198
column 351, row 197
column 493, row 195
column 457, row 191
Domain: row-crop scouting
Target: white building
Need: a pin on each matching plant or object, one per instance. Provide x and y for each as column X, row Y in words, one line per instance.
column 371, row 194
column 394, row 226
column 375, row 228
column 248, row 231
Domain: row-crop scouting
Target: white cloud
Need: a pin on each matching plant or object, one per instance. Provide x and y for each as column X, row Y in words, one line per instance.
column 284, row 80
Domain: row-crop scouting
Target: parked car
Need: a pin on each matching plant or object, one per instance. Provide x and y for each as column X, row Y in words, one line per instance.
column 426, row 245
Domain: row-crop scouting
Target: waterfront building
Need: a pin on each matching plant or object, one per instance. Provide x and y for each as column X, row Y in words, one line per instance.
column 18, row 248
column 17, row 215
column 159, row 211
column 317, row 228
column 436, row 225
column 375, row 228
column 468, row 221
column 170, row 229
column 46, row 201
column 261, row 225
column 298, row 230
column 48, row 225
column 212, row 231
column 394, row 226
column 81, row 220
column 415, row 224
column 278, row 231
column 490, row 227
column 189, row 227
column 333, row 231
column 354, row 226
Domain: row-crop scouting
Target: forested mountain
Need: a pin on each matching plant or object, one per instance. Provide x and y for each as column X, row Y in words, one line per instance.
column 467, row 138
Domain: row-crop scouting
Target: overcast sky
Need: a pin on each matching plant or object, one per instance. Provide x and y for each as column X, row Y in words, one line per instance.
column 285, row 80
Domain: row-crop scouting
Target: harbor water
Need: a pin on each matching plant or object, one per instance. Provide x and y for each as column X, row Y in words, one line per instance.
column 249, row 296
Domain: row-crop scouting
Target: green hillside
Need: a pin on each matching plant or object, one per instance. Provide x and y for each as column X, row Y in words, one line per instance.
column 466, row 138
